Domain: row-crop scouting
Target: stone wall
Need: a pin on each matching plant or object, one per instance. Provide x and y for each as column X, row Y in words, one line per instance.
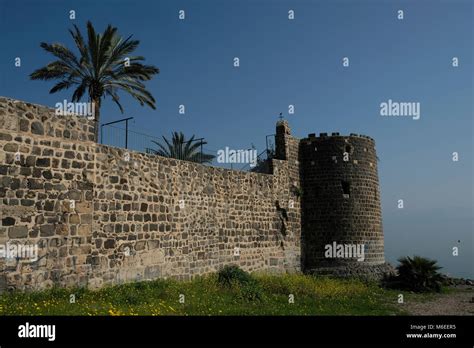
column 101, row 215
column 157, row 217
column 341, row 200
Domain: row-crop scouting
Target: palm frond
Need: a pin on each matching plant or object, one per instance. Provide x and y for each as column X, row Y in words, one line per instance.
column 99, row 70
column 180, row 148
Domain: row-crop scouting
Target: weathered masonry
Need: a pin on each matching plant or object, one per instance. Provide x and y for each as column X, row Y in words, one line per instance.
column 101, row 215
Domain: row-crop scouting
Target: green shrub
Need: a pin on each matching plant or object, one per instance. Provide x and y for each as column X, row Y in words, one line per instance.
column 418, row 274
column 241, row 283
column 298, row 191
column 232, row 274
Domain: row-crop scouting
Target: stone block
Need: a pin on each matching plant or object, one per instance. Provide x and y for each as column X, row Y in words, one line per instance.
column 47, row 230
column 18, row 232
column 37, row 128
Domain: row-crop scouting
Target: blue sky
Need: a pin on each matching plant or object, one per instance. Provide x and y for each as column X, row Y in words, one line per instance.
column 296, row 62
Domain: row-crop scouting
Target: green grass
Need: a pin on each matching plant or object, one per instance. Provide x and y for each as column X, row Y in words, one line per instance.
column 205, row 296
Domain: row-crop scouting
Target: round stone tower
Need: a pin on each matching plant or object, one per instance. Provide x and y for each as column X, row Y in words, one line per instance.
column 341, row 213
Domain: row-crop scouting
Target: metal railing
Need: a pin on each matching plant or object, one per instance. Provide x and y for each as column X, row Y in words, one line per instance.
column 115, row 135
column 125, row 137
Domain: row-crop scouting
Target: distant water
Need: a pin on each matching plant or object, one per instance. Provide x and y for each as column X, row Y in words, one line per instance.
column 434, row 238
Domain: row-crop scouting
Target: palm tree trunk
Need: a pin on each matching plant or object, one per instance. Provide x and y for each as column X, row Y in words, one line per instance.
column 96, row 104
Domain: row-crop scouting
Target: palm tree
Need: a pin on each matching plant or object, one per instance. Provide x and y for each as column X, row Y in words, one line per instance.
column 102, row 69
column 180, row 148
column 419, row 274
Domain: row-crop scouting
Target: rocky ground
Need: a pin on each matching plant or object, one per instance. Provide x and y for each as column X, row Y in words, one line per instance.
column 458, row 301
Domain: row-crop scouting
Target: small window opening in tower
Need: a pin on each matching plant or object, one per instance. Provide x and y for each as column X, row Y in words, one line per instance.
column 348, row 148
column 346, row 188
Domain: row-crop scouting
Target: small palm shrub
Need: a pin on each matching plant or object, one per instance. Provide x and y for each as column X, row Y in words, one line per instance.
column 180, row 148
column 418, row 274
